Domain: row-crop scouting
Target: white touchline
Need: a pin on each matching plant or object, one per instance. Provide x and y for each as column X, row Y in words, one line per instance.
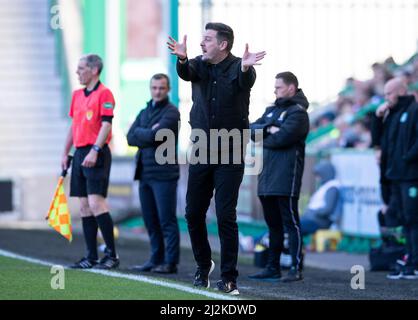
column 138, row 278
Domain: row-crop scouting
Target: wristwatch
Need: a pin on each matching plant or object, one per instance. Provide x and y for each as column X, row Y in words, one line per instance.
column 96, row 148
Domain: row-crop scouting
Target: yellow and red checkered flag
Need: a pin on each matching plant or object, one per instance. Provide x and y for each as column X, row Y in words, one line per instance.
column 59, row 217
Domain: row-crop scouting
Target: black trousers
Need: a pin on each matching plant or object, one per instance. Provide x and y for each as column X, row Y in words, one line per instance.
column 281, row 214
column 159, row 204
column 392, row 217
column 405, row 197
column 225, row 180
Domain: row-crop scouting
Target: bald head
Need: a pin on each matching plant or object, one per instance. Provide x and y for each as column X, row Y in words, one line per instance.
column 394, row 88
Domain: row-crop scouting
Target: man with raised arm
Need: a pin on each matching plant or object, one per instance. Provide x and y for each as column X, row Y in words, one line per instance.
column 221, row 85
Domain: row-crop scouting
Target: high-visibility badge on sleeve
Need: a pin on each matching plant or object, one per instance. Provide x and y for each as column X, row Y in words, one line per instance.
column 108, row 105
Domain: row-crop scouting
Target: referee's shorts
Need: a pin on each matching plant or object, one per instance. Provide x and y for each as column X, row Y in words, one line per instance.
column 89, row 181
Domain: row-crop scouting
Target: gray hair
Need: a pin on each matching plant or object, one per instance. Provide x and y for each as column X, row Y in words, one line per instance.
column 93, row 61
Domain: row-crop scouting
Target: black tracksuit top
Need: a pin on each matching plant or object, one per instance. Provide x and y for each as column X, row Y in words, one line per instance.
column 284, row 151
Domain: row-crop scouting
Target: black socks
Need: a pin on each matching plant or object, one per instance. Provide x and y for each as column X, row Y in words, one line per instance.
column 105, row 223
column 90, row 235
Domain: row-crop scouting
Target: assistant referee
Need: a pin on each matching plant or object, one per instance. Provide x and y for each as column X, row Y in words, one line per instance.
column 90, row 133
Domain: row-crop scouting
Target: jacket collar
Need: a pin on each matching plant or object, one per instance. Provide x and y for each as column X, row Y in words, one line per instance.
column 299, row 98
column 159, row 104
column 404, row 101
column 225, row 63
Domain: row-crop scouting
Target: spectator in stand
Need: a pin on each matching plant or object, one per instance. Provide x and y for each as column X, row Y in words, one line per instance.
column 359, row 94
column 405, row 76
column 363, row 135
column 324, row 119
column 323, row 209
column 380, row 76
column 362, row 96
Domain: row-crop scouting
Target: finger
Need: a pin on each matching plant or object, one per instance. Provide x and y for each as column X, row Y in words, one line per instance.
column 172, row 39
column 185, row 39
column 246, row 48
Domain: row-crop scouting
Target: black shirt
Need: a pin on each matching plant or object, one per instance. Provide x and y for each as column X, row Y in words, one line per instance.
column 220, row 93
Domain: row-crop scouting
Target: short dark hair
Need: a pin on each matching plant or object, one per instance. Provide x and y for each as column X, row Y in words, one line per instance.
column 93, row 61
column 224, row 33
column 288, row 78
column 160, row 76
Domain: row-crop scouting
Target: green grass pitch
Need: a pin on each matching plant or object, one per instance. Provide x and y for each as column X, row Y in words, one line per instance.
column 20, row 280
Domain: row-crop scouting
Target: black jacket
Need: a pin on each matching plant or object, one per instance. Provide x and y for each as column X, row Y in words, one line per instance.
column 284, row 151
column 142, row 136
column 378, row 132
column 220, row 93
column 400, row 141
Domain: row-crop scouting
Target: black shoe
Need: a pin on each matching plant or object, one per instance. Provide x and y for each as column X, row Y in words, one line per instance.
column 397, row 271
column 84, row 263
column 229, row 287
column 146, row 267
column 394, row 275
column 410, row 273
column 267, row 274
column 166, row 268
column 107, row 263
column 201, row 278
column 294, row 274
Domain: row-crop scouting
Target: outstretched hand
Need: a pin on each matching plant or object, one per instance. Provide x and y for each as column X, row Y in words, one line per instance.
column 178, row 49
column 251, row 59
